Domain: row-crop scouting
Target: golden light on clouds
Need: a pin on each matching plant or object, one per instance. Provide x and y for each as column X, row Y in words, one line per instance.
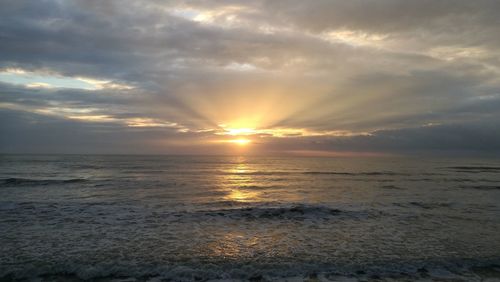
column 239, row 131
column 252, row 77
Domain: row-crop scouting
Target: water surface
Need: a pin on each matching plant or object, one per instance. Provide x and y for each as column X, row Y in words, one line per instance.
column 248, row 218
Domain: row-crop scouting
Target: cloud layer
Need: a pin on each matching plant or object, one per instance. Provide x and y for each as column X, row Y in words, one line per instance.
column 384, row 76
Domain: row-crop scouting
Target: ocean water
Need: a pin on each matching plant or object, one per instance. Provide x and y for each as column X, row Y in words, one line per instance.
column 173, row 218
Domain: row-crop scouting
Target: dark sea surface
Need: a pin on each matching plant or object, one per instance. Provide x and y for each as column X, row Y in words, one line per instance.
column 187, row 218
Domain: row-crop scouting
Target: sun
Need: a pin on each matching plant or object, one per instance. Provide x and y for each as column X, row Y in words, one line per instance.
column 241, row 135
column 241, row 141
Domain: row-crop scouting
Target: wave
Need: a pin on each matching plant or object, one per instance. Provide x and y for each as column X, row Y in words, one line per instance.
column 475, row 169
column 482, row 187
column 227, row 203
column 38, row 182
column 370, row 173
column 392, row 187
column 460, row 180
column 256, row 172
column 424, row 205
column 446, row 270
column 87, row 166
column 260, row 187
column 298, row 212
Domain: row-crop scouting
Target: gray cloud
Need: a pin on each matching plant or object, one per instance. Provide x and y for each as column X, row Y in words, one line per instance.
column 388, row 68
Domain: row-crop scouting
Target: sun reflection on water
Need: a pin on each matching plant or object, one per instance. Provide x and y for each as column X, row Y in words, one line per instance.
column 240, row 168
column 246, row 185
column 238, row 181
column 242, row 196
column 234, row 245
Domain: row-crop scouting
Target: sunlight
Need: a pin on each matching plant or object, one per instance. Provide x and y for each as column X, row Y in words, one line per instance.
column 239, row 131
column 241, row 141
column 235, row 180
column 238, row 195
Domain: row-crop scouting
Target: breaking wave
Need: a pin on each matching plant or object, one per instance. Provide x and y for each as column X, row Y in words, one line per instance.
column 290, row 212
column 475, row 169
column 482, row 187
column 455, row 270
column 38, row 182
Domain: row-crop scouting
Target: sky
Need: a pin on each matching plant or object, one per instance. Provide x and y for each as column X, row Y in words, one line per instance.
column 320, row 77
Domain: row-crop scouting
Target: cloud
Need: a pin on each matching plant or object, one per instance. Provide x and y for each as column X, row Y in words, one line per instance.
column 366, row 69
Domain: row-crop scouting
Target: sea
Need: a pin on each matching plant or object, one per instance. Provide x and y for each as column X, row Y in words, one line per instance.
column 243, row 218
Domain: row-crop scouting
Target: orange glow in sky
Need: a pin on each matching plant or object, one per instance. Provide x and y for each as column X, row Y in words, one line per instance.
column 241, row 141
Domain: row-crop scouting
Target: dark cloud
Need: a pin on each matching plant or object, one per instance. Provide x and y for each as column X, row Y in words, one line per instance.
column 32, row 133
column 453, row 139
column 24, row 132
